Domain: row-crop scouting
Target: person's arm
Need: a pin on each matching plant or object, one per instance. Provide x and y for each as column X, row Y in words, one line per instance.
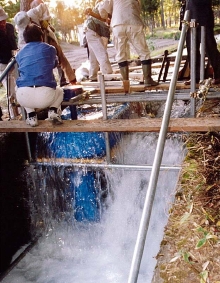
column 12, row 36
column 89, row 12
column 105, row 8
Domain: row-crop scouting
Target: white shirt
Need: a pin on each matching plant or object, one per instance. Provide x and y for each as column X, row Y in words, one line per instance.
column 124, row 12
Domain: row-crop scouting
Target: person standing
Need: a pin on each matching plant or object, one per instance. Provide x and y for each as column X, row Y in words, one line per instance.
column 36, row 84
column 97, row 34
column 8, row 45
column 127, row 26
column 201, row 11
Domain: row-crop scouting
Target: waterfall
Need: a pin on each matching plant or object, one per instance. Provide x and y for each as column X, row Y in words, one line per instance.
column 98, row 251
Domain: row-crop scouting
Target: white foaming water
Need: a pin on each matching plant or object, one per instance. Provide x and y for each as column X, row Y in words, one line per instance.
column 102, row 252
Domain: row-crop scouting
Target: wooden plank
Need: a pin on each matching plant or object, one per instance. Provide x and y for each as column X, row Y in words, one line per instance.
column 117, row 125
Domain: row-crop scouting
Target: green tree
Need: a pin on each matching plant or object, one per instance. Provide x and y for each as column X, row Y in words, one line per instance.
column 149, row 9
column 10, row 8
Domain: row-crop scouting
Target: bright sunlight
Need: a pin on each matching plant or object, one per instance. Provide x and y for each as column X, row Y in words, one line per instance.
column 68, row 3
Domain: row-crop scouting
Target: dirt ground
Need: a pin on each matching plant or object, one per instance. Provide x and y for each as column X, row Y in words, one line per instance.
column 78, row 55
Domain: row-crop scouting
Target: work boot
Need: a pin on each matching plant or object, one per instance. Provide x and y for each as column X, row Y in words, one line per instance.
column 124, row 70
column 146, row 67
column 124, row 73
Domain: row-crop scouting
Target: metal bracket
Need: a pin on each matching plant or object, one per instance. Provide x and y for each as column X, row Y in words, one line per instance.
column 193, row 24
column 193, row 94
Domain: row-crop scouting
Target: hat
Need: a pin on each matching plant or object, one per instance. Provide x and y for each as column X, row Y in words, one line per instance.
column 35, row 3
column 21, row 19
column 3, row 15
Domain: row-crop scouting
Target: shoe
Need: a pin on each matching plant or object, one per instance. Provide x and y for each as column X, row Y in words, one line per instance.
column 64, row 84
column 54, row 117
column 216, row 81
column 32, row 121
column 150, row 82
column 189, row 82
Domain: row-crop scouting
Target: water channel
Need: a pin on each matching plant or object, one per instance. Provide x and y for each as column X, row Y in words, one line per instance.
column 98, row 251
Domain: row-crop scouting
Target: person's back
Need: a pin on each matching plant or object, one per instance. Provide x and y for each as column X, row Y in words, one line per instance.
column 36, row 63
column 36, row 85
column 125, row 12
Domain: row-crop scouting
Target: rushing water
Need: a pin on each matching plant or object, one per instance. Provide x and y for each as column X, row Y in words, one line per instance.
column 99, row 252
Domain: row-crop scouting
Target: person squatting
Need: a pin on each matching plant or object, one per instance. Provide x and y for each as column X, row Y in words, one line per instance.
column 36, row 84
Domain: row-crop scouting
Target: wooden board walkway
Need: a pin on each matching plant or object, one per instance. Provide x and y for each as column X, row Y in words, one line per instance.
column 205, row 124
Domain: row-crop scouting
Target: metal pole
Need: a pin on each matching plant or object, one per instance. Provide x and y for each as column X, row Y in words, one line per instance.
column 193, row 67
column 145, row 219
column 104, row 110
column 202, row 60
column 26, row 137
column 105, row 166
column 7, row 69
column 3, row 75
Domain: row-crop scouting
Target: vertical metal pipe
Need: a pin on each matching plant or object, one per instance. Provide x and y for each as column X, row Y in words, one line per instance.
column 145, row 219
column 8, row 94
column 193, row 67
column 26, row 137
column 104, row 110
column 202, row 59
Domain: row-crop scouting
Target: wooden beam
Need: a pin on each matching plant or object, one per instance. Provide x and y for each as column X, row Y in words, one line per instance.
column 116, row 125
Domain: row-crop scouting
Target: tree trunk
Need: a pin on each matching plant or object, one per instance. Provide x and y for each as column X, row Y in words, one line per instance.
column 25, row 5
column 162, row 15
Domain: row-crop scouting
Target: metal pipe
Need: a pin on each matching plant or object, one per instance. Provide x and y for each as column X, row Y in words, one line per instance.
column 7, row 69
column 26, row 137
column 193, row 67
column 137, row 97
column 105, row 117
column 3, row 75
column 145, row 219
column 105, row 166
column 202, row 59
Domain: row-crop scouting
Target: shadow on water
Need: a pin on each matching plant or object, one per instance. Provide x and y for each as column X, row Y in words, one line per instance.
column 14, row 208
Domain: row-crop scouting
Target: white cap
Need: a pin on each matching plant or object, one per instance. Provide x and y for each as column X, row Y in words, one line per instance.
column 21, row 19
column 3, row 15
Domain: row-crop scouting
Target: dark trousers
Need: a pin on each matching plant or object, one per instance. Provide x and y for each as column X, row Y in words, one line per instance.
column 1, row 113
column 211, row 50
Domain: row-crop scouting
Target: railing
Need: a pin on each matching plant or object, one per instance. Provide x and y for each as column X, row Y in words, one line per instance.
column 5, row 73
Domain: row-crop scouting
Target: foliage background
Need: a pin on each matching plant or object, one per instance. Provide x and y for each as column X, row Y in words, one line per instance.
column 156, row 14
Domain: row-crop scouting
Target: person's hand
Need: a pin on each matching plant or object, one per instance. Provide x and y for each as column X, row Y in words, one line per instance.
column 88, row 11
column 73, row 82
column 44, row 24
